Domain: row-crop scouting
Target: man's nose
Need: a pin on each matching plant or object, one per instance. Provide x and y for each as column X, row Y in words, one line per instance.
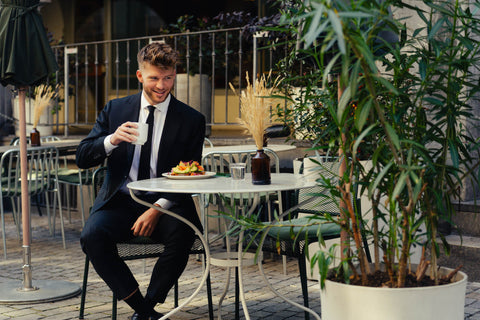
column 160, row 84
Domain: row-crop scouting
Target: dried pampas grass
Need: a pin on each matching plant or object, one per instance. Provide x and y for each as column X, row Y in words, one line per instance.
column 255, row 103
column 44, row 95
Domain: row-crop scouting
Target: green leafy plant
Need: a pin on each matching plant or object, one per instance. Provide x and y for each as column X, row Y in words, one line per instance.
column 401, row 94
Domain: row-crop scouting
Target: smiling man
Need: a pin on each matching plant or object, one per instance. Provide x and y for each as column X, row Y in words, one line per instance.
column 176, row 133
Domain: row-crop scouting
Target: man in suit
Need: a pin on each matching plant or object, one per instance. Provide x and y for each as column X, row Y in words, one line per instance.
column 178, row 135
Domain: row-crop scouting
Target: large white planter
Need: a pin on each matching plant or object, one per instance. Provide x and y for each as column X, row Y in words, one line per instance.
column 196, row 91
column 347, row 302
column 43, row 125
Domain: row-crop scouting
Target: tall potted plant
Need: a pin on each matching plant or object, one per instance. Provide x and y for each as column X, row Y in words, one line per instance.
column 409, row 102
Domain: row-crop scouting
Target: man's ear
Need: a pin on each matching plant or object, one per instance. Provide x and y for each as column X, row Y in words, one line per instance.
column 139, row 76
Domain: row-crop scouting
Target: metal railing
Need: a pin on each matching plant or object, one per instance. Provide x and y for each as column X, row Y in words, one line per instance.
column 95, row 72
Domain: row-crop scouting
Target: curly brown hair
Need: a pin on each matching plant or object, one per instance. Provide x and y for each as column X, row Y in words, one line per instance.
column 158, row 54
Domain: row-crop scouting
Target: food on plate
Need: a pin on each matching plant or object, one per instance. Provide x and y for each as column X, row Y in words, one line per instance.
column 189, row 168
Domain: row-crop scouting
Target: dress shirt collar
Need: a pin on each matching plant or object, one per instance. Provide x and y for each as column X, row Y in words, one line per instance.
column 162, row 106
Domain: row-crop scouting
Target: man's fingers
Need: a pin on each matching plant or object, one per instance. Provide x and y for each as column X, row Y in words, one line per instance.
column 142, row 230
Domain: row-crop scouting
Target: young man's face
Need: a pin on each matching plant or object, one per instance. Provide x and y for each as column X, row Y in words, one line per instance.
column 157, row 82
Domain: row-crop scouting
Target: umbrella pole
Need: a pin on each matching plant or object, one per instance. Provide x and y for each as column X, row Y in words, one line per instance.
column 46, row 290
column 27, row 268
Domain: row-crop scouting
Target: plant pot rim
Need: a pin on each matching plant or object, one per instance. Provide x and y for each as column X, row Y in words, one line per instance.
column 459, row 278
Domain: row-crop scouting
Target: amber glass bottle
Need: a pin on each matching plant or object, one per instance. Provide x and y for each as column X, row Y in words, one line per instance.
column 35, row 138
column 261, row 168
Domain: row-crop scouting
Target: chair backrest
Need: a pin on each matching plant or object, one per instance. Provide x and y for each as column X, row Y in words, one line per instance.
column 207, row 143
column 42, row 165
column 324, row 168
column 16, row 141
column 319, row 168
column 219, row 161
column 98, row 177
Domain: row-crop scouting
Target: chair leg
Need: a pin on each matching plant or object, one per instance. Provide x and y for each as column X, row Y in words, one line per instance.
column 237, row 296
column 114, row 307
column 16, row 214
column 209, row 297
column 175, row 294
column 84, row 289
column 67, row 197
column 37, row 201
column 3, row 230
column 302, row 266
column 62, row 224
column 82, row 206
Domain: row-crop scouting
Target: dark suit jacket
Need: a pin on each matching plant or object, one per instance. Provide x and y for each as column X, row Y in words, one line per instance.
column 182, row 140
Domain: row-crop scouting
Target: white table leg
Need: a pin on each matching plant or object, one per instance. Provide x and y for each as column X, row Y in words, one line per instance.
column 205, row 246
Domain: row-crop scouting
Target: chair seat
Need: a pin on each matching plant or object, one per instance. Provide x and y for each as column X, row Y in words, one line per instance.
column 300, row 231
column 145, row 247
column 71, row 176
column 290, row 240
column 17, row 190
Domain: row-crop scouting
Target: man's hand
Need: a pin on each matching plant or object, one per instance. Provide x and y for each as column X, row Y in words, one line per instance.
column 146, row 223
column 126, row 132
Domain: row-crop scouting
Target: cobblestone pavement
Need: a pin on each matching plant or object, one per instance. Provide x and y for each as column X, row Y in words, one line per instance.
column 51, row 262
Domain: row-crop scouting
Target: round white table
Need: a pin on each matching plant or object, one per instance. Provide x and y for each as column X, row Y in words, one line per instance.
column 222, row 185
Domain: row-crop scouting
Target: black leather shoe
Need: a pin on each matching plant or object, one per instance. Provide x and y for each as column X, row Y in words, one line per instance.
column 153, row 316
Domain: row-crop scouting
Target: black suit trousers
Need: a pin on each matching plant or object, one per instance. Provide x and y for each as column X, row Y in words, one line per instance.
column 113, row 223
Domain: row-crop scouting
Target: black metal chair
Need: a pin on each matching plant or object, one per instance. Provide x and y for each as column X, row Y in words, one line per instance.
column 138, row 248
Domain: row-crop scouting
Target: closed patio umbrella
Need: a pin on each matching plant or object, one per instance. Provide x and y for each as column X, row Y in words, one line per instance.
column 26, row 59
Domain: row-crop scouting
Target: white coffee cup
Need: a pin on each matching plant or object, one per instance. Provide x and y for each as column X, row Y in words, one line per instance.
column 142, row 133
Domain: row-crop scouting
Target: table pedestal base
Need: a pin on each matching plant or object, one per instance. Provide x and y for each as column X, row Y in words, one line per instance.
column 231, row 260
column 42, row 291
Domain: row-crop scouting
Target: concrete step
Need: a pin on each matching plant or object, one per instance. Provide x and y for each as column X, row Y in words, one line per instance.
column 465, row 241
column 465, row 252
column 467, row 218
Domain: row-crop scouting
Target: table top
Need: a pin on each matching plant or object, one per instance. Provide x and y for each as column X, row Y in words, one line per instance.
column 220, row 184
column 249, row 147
column 65, row 146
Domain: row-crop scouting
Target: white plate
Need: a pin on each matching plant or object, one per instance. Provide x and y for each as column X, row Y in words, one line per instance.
column 208, row 174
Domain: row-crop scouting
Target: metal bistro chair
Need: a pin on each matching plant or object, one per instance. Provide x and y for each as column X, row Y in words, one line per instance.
column 42, row 168
column 138, row 248
column 70, row 177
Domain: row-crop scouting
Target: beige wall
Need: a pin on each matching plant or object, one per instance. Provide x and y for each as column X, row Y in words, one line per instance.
column 53, row 20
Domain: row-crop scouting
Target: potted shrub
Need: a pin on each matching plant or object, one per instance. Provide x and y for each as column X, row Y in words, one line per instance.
column 408, row 103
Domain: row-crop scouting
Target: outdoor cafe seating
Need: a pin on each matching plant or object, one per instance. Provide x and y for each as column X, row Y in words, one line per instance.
column 42, row 180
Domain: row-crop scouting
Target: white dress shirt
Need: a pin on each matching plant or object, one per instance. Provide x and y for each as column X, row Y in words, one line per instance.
column 160, row 115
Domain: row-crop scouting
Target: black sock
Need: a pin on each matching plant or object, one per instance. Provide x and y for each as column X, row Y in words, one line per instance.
column 137, row 303
column 149, row 303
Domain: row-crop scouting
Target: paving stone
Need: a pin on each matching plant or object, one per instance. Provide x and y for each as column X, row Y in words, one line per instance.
column 51, row 262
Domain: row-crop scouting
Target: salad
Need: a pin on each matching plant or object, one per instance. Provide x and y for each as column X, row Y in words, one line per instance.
column 189, row 168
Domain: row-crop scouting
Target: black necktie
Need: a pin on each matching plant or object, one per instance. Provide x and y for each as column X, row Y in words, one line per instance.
column 144, row 165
